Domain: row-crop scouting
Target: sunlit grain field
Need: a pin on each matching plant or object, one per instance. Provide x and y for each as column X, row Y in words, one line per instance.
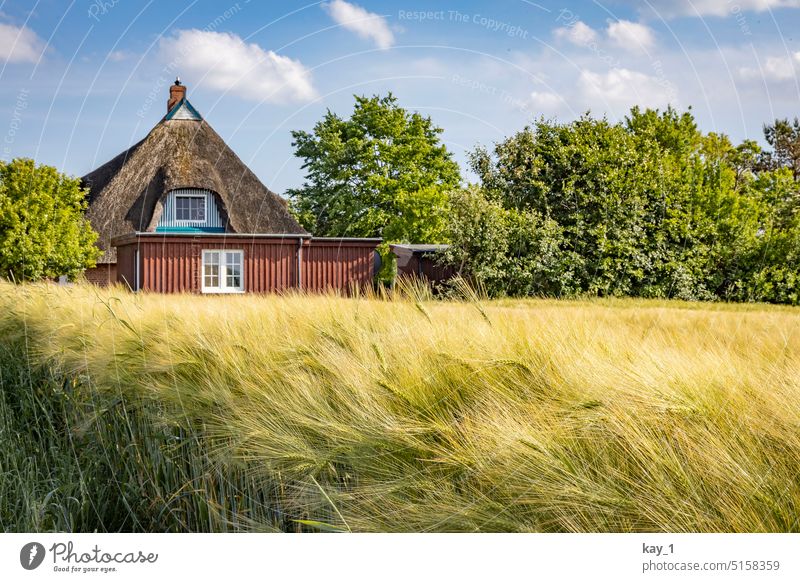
column 126, row 412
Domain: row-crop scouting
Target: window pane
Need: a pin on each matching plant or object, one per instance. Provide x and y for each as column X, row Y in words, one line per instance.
column 192, row 208
column 211, row 268
column 234, row 276
column 233, row 270
column 211, row 274
column 180, row 208
column 198, row 207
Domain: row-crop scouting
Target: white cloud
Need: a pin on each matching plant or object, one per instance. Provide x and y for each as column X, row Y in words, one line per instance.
column 675, row 8
column 225, row 62
column 545, row 101
column 578, row 33
column 631, row 35
column 19, row 44
column 774, row 69
column 622, row 88
column 367, row 25
column 117, row 56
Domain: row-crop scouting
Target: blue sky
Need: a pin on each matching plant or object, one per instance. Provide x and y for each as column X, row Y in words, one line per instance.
column 81, row 81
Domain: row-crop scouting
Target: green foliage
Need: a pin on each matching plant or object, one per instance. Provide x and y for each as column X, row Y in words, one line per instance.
column 43, row 233
column 381, row 173
column 774, row 254
column 649, row 207
column 509, row 251
column 388, row 269
column 784, row 137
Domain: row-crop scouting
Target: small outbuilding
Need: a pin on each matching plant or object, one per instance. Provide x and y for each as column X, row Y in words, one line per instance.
column 421, row 261
column 180, row 212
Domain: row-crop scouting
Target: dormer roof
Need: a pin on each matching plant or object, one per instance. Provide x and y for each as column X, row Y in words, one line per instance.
column 183, row 110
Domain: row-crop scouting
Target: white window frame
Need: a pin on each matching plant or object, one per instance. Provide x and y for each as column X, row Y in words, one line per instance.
column 222, row 272
column 203, row 197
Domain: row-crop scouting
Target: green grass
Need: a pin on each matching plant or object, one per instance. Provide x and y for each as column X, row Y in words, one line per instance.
column 188, row 413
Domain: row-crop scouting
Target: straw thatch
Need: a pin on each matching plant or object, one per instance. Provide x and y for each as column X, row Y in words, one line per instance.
column 126, row 194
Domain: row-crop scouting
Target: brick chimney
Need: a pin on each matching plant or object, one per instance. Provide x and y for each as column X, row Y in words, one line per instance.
column 176, row 93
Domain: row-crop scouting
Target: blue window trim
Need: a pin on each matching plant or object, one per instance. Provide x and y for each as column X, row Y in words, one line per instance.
column 188, row 229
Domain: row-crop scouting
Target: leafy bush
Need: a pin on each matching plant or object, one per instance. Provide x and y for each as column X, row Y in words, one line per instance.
column 43, row 233
column 509, row 251
column 649, row 207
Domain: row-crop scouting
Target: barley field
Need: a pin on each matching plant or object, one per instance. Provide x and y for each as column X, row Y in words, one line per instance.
column 124, row 412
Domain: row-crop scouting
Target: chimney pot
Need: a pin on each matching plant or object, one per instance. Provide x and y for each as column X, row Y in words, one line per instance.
column 176, row 93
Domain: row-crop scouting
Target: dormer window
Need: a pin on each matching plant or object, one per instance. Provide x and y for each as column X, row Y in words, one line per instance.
column 190, row 209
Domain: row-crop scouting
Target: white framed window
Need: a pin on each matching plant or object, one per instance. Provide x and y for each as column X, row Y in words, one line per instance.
column 190, row 209
column 223, row 271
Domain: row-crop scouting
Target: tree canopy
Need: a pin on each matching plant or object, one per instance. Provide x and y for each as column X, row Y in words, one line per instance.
column 648, row 207
column 784, row 137
column 43, row 232
column 382, row 172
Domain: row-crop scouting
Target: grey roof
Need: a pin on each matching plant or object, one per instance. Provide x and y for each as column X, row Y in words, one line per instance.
column 420, row 248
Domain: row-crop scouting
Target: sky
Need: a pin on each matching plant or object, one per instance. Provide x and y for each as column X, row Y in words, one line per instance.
column 83, row 80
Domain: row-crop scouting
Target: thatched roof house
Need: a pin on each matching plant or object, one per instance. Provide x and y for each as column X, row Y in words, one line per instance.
column 180, row 198
column 128, row 193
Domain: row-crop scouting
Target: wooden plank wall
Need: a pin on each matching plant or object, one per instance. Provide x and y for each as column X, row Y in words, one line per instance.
column 126, row 266
column 175, row 267
column 333, row 265
column 173, row 264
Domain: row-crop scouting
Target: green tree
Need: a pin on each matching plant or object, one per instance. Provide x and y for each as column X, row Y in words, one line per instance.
column 611, row 189
column 784, row 137
column 382, row 172
column 648, row 207
column 774, row 259
column 43, row 232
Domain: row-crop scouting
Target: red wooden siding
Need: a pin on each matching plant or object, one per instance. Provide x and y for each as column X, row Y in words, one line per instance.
column 126, row 265
column 337, row 265
column 171, row 267
column 425, row 267
column 172, row 264
column 270, row 267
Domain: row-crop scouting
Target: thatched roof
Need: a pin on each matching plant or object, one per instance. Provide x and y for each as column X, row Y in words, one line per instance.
column 126, row 194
